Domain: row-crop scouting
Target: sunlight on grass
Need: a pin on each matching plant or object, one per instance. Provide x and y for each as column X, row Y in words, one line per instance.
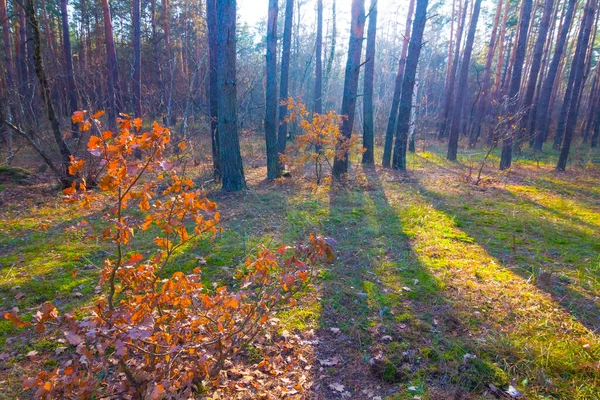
column 504, row 302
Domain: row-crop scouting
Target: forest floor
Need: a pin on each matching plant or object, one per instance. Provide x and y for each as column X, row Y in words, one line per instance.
column 441, row 289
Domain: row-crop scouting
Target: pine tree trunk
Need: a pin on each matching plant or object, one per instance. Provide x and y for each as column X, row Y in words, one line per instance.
column 273, row 165
column 451, row 42
column 357, row 27
column 543, row 111
column 332, row 49
column 515, row 82
column 500, row 63
column 8, row 92
column 66, row 178
column 577, row 74
column 534, row 71
column 72, row 91
column 211, row 17
column 168, row 88
column 232, row 168
column 318, row 94
column 449, row 91
column 368, row 156
column 8, row 59
column 408, row 84
column 486, row 83
column 285, row 72
column 21, row 53
column 543, row 72
column 113, row 68
column 463, row 83
column 393, row 117
column 137, row 59
column 571, row 91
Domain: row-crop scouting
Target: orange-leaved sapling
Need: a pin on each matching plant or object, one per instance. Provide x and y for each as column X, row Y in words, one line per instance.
column 149, row 335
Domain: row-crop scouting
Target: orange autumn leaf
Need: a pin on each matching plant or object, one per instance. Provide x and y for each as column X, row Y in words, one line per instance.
column 137, row 123
column 77, row 117
column 98, row 114
column 15, row 319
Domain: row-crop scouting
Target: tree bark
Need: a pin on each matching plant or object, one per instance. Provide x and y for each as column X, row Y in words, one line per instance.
column 515, row 82
column 543, row 106
column 368, row 156
column 229, row 145
column 273, row 165
column 285, row 72
column 393, row 117
column 357, row 27
column 571, row 94
column 577, row 73
column 71, row 89
column 500, row 63
column 21, row 53
column 332, row 49
column 114, row 104
column 482, row 103
column 65, row 152
column 534, row 71
column 211, row 17
column 168, row 88
column 449, row 90
column 408, row 84
column 137, row 59
column 462, row 84
column 318, row 94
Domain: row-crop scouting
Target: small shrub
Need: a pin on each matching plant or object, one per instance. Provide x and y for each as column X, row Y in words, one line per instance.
column 148, row 336
column 320, row 141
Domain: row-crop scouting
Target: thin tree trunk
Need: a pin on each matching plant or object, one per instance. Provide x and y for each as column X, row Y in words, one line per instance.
column 273, row 165
column 21, row 53
column 368, row 125
column 211, row 16
column 8, row 91
column 285, row 71
column 449, row 92
column 72, row 91
column 531, row 128
column 318, row 94
column 168, row 90
column 113, row 68
column 332, row 50
column 393, row 117
column 357, row 27
column 137, row 59
column 65, row 152
column 513, row 54
column 485, row 87
column 577, row 73
column 534, row 71
column 513, row 90
column 543, row 112
column 462, row 84
column 408, row 84
column 571, row 94
column 232, row 168
column 451, row 42
column 500, row 63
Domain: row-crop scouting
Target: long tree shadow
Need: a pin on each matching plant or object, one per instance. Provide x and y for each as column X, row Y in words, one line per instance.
column 384, row 315
column 508, row 318
column 537, row 248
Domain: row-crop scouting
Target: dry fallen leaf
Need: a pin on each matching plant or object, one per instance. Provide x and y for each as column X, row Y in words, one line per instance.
column 338, row 387
column 329, row 362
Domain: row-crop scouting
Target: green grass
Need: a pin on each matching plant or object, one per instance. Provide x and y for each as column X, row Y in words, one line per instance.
column 469, row 286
